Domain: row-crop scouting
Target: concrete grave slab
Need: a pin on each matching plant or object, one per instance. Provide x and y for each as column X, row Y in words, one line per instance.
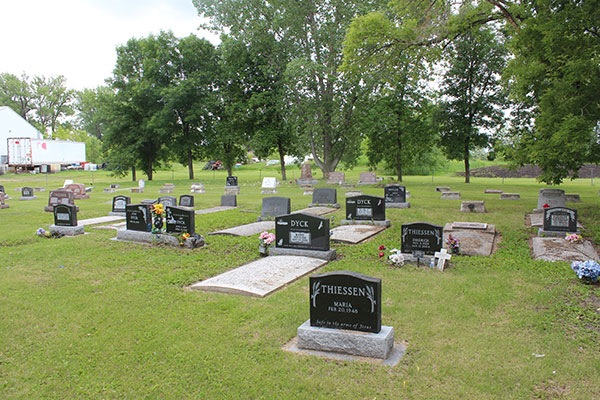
column 573, row 198
column 99, row 220
column 248, row 229
column 493, row 191
column 450, row 196
column 474, row 240
column 120, row 225
column 558, row 249
column 355, row 234
column 510, row 196
column 477, row 206
column 214, row 209
column 316, row 210
column 262, row 277
column 537, row 220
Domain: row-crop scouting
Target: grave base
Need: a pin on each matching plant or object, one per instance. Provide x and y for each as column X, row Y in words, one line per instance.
column 424, row 261
column 67, row 230
column 232, row 190
column 366, row 183
column 269, row 191
column 51, row 208
column 117, row 214
column 307, row 182
column 3, row 206
column 28, row 198
column 406, row 204
column 197, row 191
column 387, row 223
column 364, row 344
column 164, row 191
column 560, row 234
column 137, row 190
column 320, row 254
column 153, row 238
column 336, row 205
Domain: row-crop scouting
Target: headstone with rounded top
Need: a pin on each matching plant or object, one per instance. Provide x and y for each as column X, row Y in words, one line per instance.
column 119, row 205
column 60, row 196
column 558, row 221
column 65, row 220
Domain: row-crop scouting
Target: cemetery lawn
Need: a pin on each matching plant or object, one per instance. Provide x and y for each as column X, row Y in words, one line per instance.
column 90, row 317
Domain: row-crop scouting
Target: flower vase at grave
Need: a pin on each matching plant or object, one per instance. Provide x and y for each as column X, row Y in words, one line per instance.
column 263, row 250
column 158, row 222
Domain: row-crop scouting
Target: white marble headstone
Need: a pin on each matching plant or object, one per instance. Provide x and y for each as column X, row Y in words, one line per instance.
column 269, row 183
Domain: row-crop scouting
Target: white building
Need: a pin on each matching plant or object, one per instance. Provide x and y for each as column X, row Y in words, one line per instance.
column 13, row 125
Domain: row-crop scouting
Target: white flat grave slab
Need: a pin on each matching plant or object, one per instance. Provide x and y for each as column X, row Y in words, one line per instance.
column 316, row 210
column 120, row 225
column 355, row 234
column 214, row 209
column 558, row 249
column 469, row 225
column 99, row 220
column 474, row 239
column 537, row 221
column 248, row 229
column 262, row 277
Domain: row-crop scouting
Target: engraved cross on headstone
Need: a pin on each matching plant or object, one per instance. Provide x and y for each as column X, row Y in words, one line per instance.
column 442, row 256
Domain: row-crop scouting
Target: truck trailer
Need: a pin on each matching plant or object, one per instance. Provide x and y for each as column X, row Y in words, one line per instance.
column 28, row 152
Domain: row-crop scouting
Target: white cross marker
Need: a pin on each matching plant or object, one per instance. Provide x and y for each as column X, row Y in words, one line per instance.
column 442, row 257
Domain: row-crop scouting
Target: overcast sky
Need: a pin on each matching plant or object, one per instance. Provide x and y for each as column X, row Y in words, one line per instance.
column 78, row 38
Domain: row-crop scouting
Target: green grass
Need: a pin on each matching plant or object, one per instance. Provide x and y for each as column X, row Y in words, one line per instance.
column 117, row 322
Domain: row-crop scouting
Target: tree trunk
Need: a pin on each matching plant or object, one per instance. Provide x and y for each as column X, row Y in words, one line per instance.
column 133, row 177
column 281, row 160
column 190, row 165
column 149, row 171
column 399, row 156
column 467, row 168
column 229, row 171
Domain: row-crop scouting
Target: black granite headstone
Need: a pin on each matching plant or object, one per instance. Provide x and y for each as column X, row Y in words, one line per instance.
column 180, row 220
column 421, row 236
column 302, row 231
column 365, row 207
column 65, row 215
column 324, row 196
column 27, row 192
column 2, row 189
column 120, row 202
column 560, row 219
column 231, row 181
column 149, row 201
column 186, row 200
column 345, row 300
column 275, row 206
column 168, row 201
column 229, row 200
column 395, row 194
column 139, row 217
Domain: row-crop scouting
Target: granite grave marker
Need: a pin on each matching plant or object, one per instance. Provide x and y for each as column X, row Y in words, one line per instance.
column 119, row 204
column 365, row 208
column 324, row 196
column 421, row 236
column 302, row 231
column 560, row 219
column 180, row 220
column 65, row 215
column 168, row 201
column 60, row 196
column 275, row 206
column 186, row 200
column 139, row 217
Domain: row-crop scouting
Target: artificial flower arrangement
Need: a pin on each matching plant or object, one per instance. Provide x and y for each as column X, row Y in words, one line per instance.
column 158, row 211
column 183, row 237
column 588, row 271
column 573, row 238
column 395, row 259
column 265, row 240
column 453, row 244
column 49, row 235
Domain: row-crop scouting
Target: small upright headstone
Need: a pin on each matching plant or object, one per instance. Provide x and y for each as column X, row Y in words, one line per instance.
column 2, row 189
column 119, row 205
column 185, row 200
column 510, row 196
column 558, row 221
column 324, row 197
column 336, row 178
column 442, row 189
column 180, row 220
column 60, row 196
column 450, row 196
column 141, row 184
column 197, row 188
column 365, row 209
column 2, row 198
column 27, row 194
column 395, row 196
column 274, row 207
column 65, row 220
column 229, row 200
column 302, row 235
column 114, row 186
column 168, row 201
column 548, row 198
column 78, row 190
column 421, row 236
column 306, row 175
column 572, row 198
column 269, row 185
column 497, row 191
column 231, row 185
column 473, row 206
column 164, row 190
column 139, row 217
column 367, row 178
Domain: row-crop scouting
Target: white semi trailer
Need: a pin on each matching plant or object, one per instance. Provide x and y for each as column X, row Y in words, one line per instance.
column 29, row 152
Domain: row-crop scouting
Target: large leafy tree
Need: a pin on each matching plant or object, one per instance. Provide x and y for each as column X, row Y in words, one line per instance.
column 135, row 134
column 320, row 101
column 16, row 93
column 473, row 95
column 88, row 104
column 52, row 102
column 555, row 76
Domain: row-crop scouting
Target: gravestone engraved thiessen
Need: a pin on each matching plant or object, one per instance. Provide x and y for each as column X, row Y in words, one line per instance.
column 185, row 200
column 229, row 200
column 27, row 194
column 324, row 197
column 139, row 217
column 119, row 205
column 180, row 220
column 367, row 178
column 550, row 198
column 302, row 235
column 558, row 221
column 395, row 196
column 345, row 300
column 365, row 209
column 65, row 220
column 421, row 236
column 274, row 207
column 168, row 201
column 59, row 196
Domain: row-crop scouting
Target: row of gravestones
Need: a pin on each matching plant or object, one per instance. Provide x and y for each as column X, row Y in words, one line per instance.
column 179, row 219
